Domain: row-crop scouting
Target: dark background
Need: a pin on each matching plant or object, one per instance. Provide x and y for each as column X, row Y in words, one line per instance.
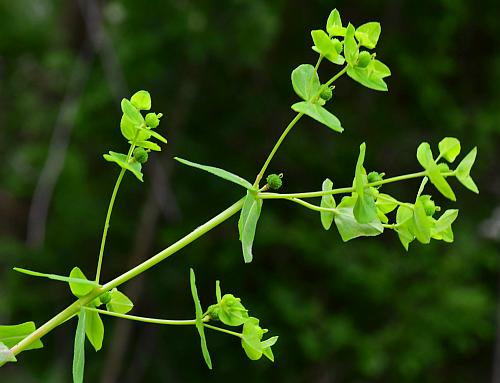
column 362, row 311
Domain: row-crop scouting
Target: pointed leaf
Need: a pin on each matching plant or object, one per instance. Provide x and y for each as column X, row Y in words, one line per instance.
column 449, row 148
column 56, row 277
column 425, row 158
column 325, row 46
column 123, row 161
column 372, row 76
column 12, row 335
column 386, row 203
column 320, row 114
column 132, row 113
column 368, row 34
column 347, row 225
column 199, row 319
column 79, row 289
column 421, row 223
column 141, row 100
column 404, row 228
column 251, row 336
column 148, row 145
column 334, row 24
column 247, row 223
column 79, row 348
column 151, row 133
column 119, row 303
column 351, row 50
column 463, row 171
column 6, row 355
column 364, row 210
column 327, row 201
column 94, row 328
column 305, row 82
column 218, row 172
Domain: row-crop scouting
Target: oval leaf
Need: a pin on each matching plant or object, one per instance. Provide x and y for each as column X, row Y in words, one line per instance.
column 247, row 223
column 305, row 82
column 319, row 114
column 327, row 201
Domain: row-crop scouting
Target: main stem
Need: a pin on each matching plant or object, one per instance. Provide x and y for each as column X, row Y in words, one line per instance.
column 75, row 307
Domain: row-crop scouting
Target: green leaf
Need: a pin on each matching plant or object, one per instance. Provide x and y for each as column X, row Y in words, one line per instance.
column 218, row 293
column 119, row 302
column 141, row 100
column 372, row 76
column 319, row 114
column 232, row 312
column 334, row 24
column 442, row 229
column 266, row 347
column 199, row 319
column 404, row 228
column 122, row 161
column 449, row 148
column 425, row 158
column 364, row 210
column 132, row 113
column 421, row 223
column 56, row 277
column 351, row 50
column 79, row 349
column 6, row 355
column 347, row 225
column 247, row 223
column 12, row 335
column 77, row 288
column 251, row 336
column 219, row 173
column 94, row 328
column 368, row 34
column 463, row 171
column 305, row 82
column 152, row 133
column 127, row 128
column 326, row 47
column 148, row 145
column 386, row 203
column 327, row 201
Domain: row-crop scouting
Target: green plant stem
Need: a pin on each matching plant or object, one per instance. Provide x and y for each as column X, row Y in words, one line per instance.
column 74, row 308
column 335, row 78
column 340, row 190
column 189, row 322
column 312, row 206
column 223, row 330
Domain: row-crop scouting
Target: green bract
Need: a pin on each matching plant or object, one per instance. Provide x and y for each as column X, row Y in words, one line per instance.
column 6, row 355
column 328, row 202
column 368, row 34
column 118, row 302
column 230, row 309
column 125, row 163
column 305, row 82
column 11, row 335
column 247, row 224
column 320, row 114
column 334, row 24
column 141, row 100
column 463, row 171
column 252, row 341
column 199, row 320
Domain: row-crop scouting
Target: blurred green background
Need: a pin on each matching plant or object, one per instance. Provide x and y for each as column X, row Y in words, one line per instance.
column 362, row 311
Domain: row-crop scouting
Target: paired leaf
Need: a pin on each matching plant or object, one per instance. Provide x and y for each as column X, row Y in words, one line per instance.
column 305, row 82
column 247, row 223
column 218, row 172
column 124, row 162
column 351, row 50
column 148, row 133
column 364, row 210
column 386, row 203
column 326, row 47
column 119, row 302
column 319, row 114
column 327, row 201
column 368, row 34
column 463, row 171
column 199, row 319
column 442, row 228
column 132, row 113
column 251, row 341
column 348, row 227
column 141, row 100
column 77, row 288
column 6, row 355
column 12, row 335
column 334, row 24
column 449, row 148
column 147, row 145
column 231, row 311
column 79, row 348
column 56, row 277
column 94, row 328
column 404, row 228
column 372, row 76
column 422, row 223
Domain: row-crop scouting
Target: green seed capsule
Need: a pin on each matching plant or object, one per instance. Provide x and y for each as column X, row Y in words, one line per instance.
column 364, row 59
column 140, row 155
column 326, row 94
column 213, row 312
column 375, row 177
column 338, row 45
column 274, row 181
column 152, row 120
column 429, row 205
column 105, row 298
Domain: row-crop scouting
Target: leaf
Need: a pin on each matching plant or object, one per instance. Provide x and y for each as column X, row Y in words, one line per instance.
column 368, row 34
column 122, row 161
column 94, row 328
column 79, row 289
column 147, row 145
column 56, row 277
column 127, row 128
column 132, row 113
column 449, row 148
column 13, row 334
column 327, row 201
column 305, row 82
column 152, row 133
column 247, row 223
column 347, row 225
column 404, row 228
column 351, row 50
column 326, row 47
column 425, row 158
column 119, row 302
column 79, row 348
column 386, row 203
column 219, row 173
column 372, row 76
column 364, row 210
column 319, row 114
column 199, row 319
column 251, row 336
column 442, row 229
column 6, row 355
column 463, row 171
column 232, row 312
column 266, row 347
column 421, row 223
column 141, row 100
column 334, row 24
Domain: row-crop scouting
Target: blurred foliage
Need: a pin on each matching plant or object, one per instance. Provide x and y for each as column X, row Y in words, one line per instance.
column 355, row 312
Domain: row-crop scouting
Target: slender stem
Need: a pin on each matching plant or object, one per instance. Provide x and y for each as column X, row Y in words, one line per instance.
column 74, row 308
column 311, row 206
column 223, row 330
column 339, row 190
column 276, row 147
column 421, row 188
column 190, row 322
